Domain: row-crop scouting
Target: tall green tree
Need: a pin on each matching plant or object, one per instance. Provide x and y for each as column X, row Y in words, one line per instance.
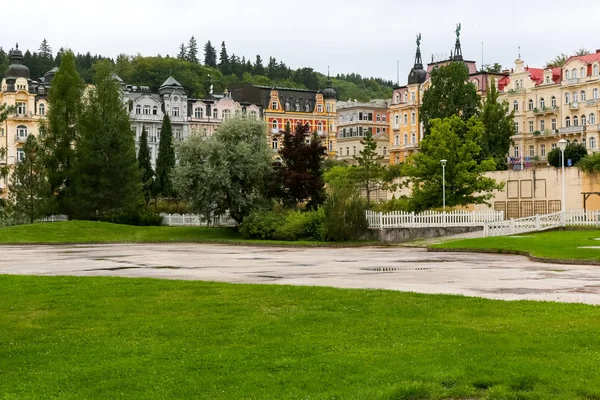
column 58, row 133
column 182, row 55
column 498, row 122
column 107, row 180
column 192, row 50
column 224, row 60
column 494, row 68
column 574, row 152
column 45, row 50
column 465, row 180
column 146, row 172
column 259, row 68
column 557, row 61
column 5, row 110
column 369, row 172
column 28, row 191
column 225, row 172
column 210, row 55
column 165, row 161
column 450, row 94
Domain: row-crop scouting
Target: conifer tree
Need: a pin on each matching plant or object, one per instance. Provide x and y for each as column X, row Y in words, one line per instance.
column 210, row 55
column 45, row 50
column 192, row 51
column 259, row 69
column 58, row 133
column 107, row 180
column 28, row 191
column 182, row 52
column 224, row 61
column 165, row 161
column 146, row 172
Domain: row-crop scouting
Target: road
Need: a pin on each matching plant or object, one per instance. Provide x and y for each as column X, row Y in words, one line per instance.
column 395, row 268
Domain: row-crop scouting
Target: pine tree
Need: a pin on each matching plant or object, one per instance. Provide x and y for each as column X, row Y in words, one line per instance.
column 224, row 61
column 499, row 128
column 369, row 171
column 165, row 161
column 146, row 172
column 210, row 55
column 58, row 132
column 45, row 50
column 29, row 188
column 259, row 69
column 192, row 50
column 107, row 179
column 272, row 69
column 182, row 52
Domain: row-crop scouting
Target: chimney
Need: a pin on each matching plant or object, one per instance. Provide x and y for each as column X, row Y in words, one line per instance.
column 597, row 51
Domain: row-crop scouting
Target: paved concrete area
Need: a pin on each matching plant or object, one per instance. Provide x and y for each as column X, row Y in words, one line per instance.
column 395, row 268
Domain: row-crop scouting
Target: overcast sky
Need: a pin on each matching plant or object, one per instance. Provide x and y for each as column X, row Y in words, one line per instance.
column 365, row 37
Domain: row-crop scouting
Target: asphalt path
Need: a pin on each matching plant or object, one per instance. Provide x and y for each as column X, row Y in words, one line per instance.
column 394, row 268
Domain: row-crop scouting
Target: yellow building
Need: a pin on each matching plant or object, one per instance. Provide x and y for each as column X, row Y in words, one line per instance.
column 29, row 99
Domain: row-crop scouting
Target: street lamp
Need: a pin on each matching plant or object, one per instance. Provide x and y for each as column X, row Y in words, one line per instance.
column 444, row 182
column 563, row 145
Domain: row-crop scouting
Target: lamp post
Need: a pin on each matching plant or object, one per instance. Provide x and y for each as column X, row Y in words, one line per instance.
column 444, row 183
column 563, row 145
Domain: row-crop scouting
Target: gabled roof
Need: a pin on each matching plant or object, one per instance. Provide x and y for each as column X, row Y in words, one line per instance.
column 588, row 59
column 171, row 82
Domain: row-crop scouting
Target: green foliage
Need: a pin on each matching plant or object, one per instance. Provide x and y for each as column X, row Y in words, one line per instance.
column 574, row 152
column 557, row 61
column 192, row 51
column 345, row 218
column 288, row 226
column 450, row 94
column 465, row 182
column 261, row 225
column 165, row 161
column 59, row 133
column 210, row 55
column 107, row 181
column 5, row 110
column 394, row 204
column 494, row 68
column 145, row 165
column 589, row 164
column 225, row 172
column 498, row 128
column 369, row 172
column 135, row 219
column 28, row 191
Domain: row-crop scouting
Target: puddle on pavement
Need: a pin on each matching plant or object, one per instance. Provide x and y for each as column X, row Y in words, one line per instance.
column 393, row 269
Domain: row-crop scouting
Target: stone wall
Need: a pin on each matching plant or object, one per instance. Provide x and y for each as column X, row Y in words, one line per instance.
column 401, row 235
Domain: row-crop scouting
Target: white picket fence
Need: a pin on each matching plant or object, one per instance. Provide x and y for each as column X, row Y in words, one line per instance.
column 196, row 220
column 432, row 219
column 54, row 218
column 539, row 223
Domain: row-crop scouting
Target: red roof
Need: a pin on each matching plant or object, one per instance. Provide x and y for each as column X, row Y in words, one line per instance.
column 588, row 59
column 503, row 82
column 536, row 75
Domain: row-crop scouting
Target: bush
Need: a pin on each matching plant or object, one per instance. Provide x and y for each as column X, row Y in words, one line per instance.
column 590, row 164
column 302, row 226
column 394, row 204
column 261, row 225
column 140, row 219
column 345, row 217
column 573, row 152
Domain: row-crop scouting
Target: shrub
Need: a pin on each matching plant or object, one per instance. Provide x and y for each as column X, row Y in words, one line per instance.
column 301, row 226
column 139, row 219
column 590, row 164
column 261, row 225
column 345, row 217
column 573, row 152
column 394, row 204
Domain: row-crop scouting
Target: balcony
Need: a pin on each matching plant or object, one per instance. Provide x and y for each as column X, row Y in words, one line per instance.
column 20, row 138
column 545, row 111
column 574, row 105
column 572, row 130
column 573, row 81
column 146, row 117
column 591, row 103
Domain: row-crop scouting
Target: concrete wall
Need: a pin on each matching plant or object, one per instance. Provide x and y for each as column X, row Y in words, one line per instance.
column 401, row 235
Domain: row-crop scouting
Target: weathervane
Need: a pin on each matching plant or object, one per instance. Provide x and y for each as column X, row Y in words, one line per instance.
column 418, row 39
column 458, row 26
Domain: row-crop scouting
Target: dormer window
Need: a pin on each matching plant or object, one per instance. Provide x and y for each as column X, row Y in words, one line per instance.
column 41, row 90
column 307, row 107
column 567, row 74
column 198, row 112
column 582, row 72
column 397, row 99
column 328, row 107
column 547, row 78
column 287, row 106
column 297, row 107
column 405, row 97
column 274, row 105
column 320, row 108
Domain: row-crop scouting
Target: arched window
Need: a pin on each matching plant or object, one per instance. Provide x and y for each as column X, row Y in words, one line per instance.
column 575, row 97
column 405, row 119
column 413, row 117
column 319, row 127
column 253, row 114
column 595, row 94
column 406, row 138
column 592, row 143
column 592, row 118
column 297, row 106
column 320, row 108
column 575, row 121
column 175, row 112
column 567, row 122
column 567, row 98
column 287, row 106
column 405, row 97
column 275, row 143
column 328, row 107
column 583, row 120
column 275, row 125
column 595, row 69
column 582, row 72
column 567, row 74
column 530, row 105
column 582, row 95
column 226, row 114
column 21, row 131
column 542, row 103
column 42, row 109
column 215, row 113
column 397, row 98
column 397, row 140
column 516, row 105
column 138, row 109
column 413, row 138
column 147, row 110
column 553, row 101
column 198, row 112
column 307, row 107
column 396, row 120
column 574, row 74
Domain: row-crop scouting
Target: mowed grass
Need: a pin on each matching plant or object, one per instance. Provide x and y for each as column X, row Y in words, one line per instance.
column 118, row 338
column 102, row 232
column 556, row 244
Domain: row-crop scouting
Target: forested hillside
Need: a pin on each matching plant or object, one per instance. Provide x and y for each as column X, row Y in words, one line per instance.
column 197, row 72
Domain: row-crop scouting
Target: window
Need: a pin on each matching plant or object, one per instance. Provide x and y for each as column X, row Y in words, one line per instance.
column 595, row 94
column 542, row 125
column 396, row 120
column 307, row 107
column 582, row 72
column 583, row 120
column 413, row 138
column 574, row 74
column 175, row 112
column 516, row 105
column 215, row 113
column 530, row 126
column 596, row 69
column 383, row 117
column 405, row 97
column 147, row 110
column 542, row 103
column 308, row 126
column 553, row 124
column 138, row 109
column 287, row 108
column 413, row 118
column 567, row 74
column 42, row 109
column 575, row 97
column 530, row 105
column 20, row 155
column 226, row 114
column 567, row 98
column 330, row 146
column 516, row 127
column 275, row 125
column 319, row 127
column 384, row 151
column 354, row 150
column 275, row 143
column 397, row 140
column 553, row 146
column 378, row 117
column 155, row 110
column 253, row 114
column 406, row 138
column 397, row 98
column 567, row 122
column 575, row 121
column 320, row 108
column 178, row 134
column 347, row 151
column 412, row 96
column 274, row 105
column 592, row 118
column 592, row 143
column 543, row 150
column 531, row 151
column 21, row 108
column 582, row 95
column 21, row 131
column 405, row 119
column 397, row 159
column 328, row 110
column 297, row 107
column 198, row 112
column 516, row 151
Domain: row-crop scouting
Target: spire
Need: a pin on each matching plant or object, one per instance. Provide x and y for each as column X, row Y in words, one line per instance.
column 457, row 50
column 417, row 74
column 418, row 61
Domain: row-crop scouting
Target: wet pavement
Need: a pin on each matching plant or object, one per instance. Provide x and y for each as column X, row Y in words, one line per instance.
column 395, row 268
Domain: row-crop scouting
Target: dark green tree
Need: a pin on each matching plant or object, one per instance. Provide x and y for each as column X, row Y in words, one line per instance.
column 146, row 172
column 165, row 161
column 58, row 133
column 224, row 60
column 369, row 172
column 45, row 50
column 107, row 178
column 192, row 50
column 573, row 152
column 210, row 55
column 259, row 68
column 28, row 190
column 450, row 94
column 182, row 52
column 499, row 128
column 5, row 110
column 493, row 68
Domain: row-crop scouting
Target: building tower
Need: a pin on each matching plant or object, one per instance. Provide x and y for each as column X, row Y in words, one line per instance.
column 329, row 96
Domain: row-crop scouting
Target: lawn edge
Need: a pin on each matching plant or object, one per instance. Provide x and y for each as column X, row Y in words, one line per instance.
column 566, row 261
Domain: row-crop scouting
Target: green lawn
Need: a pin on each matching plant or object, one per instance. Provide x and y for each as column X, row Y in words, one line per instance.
column 556, row 244
column 118, row 338
column 102, row 232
